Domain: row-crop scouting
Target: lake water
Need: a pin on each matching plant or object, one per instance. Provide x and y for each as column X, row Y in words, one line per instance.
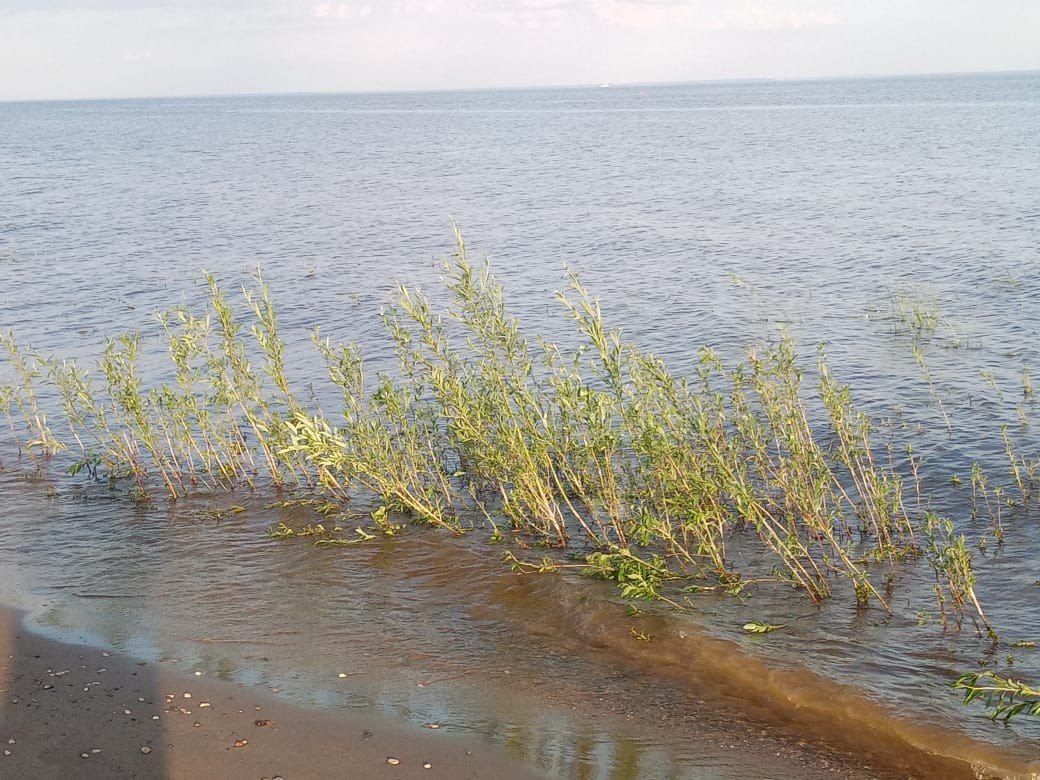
column 717, row 214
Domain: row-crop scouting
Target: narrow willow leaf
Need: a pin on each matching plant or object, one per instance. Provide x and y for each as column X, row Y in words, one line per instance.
column 758, row 627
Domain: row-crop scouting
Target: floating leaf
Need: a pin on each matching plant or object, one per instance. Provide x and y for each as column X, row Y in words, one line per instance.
column 758, row 627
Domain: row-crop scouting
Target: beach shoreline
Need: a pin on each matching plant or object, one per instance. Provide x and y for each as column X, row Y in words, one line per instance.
column 78, row 711
column 82, row 711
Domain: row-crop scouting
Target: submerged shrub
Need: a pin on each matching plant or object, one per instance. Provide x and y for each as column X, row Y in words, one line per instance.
column 647, row 475
column 1006, row 698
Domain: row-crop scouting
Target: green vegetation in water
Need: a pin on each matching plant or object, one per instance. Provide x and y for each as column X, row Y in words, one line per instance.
column 644, row 475
column 600, row 448
column 916, row 314
column 1006, row 698
column 759, row 627
column 951, row 561
column 919, row 318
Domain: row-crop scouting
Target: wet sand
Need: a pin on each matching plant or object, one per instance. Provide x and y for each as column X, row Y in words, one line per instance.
column 79, row 712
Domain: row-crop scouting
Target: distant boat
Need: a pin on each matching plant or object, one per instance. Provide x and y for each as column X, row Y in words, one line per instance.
column 605, row 86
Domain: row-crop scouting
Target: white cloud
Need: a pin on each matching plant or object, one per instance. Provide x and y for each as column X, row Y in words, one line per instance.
column 133, row 57
column 110, row 48
column 331, row 11
column 764, row 18
column 656, row 14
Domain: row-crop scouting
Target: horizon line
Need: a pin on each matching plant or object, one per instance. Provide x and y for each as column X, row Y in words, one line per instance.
column 518, row 88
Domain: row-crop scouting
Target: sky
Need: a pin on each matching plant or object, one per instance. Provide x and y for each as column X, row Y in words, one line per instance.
column 121, row 48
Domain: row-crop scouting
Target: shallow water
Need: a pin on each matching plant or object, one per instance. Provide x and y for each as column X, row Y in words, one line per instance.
column 424, row 630
column 712, row 214
column 433, row 630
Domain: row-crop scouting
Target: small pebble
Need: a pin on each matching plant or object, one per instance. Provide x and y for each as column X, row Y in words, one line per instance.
column 196, row 725
column 10, row 742
column 198, row 674
column 427, row 765
column 341, row 675
column 95, row 751
column 155, row 717
column 140, row 698
column 7, row 752
column 187, row 695
column 146, row 750
column 105, row 655
column 84, row 755
column 47, row 687
column 204, row 704
column 126, row 712
column 392, row 761
column 433, row 725
column 241, row 743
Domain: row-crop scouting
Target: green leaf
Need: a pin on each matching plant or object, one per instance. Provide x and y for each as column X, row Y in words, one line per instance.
column 758, row 627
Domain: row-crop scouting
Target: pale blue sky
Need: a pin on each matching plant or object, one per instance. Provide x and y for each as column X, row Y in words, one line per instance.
column 112, row 48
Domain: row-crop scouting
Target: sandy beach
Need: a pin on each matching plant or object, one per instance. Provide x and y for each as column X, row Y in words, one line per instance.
column 75, row 711
column 83, row 712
